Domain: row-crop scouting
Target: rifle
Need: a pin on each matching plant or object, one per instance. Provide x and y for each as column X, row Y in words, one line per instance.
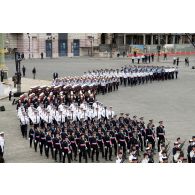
column 182, row 144
column 167, row 146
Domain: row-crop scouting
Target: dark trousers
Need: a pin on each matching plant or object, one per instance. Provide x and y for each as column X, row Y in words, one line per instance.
column 108, row 148
column 141, row 142
column 95, row 150
column 41, row 144
column 100, row 144
column 47, row 148
column 35, row 145
column 160, row 140
column 31, row 139
column 113, row 141
column 58, row 152
column 125, row 82
column 24, row 130
column 66, row 154
column 123, row 146
column 74, row 151
column 82, row 153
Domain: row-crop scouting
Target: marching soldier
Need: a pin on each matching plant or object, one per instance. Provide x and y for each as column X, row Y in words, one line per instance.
column 66, row 149
column 160, row 133
column 36, row 138
column 94, row 147
column 113, row 141
column 108, row 146
column 150, row 136
column 57, row 147
column 72, row 139
column 82, row 149
column 24, row 121
column 41, row 141
column 31, row 135
column 48, row 144
column 100, row 141
column 122, row 142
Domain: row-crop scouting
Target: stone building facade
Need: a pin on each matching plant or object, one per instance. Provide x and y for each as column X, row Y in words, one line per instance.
column 54, row 45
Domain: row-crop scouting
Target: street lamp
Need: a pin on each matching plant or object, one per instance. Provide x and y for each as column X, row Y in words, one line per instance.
column 29, row 43
column 51, row 38
column 91, row 38
column 111, row 45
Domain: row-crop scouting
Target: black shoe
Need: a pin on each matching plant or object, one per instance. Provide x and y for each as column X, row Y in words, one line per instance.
column 110, row 159
column 97, row 161
column 75, row 159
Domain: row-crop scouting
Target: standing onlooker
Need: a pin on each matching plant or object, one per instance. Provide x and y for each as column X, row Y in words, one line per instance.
column 10, row 95
column 165, row 56
column 2, row 142
column 174, row 60
column 149, row 58
column 152, row 56
column 177, row 61
column 34, row 72
column 2, row 75
column 41, row 55
column 24, row 70
column 187, row 61
column 133, row 59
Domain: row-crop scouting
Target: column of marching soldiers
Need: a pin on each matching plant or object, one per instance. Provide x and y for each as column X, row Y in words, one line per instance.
column 66, row 121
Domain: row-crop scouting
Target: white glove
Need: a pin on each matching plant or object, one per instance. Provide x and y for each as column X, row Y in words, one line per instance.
column 63, row 153
column 46, row 146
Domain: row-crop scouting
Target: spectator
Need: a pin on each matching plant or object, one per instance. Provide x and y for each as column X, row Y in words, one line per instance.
column 10, row 95
column 23, row 70
column 34, row 72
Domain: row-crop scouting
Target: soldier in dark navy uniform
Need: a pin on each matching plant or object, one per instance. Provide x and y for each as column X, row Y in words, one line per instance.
column 36, row 138
column 94, row 147
column 121, row 141
column 74, row 146
column 100, row 141
column 150, row 136
column 66, row 149
column 42, row 139
column 57, row 147
column 31, row 135
column 49, row 144
column 82, row 148
column 108, row 146
column 160, row 133
column 113, row 141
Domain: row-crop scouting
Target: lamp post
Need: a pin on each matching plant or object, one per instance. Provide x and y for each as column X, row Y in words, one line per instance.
column 111, row 45
column 29, row 44
column 91, row 38
column 2, row 58
column 51, row 38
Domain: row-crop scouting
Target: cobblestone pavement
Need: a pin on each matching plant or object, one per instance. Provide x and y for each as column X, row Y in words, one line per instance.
column 170, row 101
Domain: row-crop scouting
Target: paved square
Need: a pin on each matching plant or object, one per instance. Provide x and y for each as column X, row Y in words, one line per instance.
column 171, row 101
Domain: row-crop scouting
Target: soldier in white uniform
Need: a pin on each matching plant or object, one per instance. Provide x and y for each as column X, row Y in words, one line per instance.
column 2, row 144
